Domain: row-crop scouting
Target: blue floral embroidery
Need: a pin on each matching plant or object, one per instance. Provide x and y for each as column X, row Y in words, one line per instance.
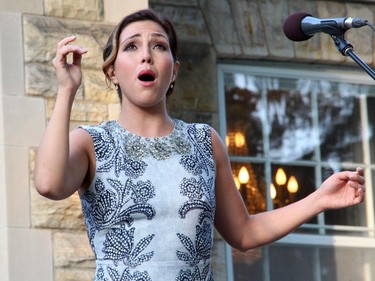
column 127, row 276
column 124, row 214
column 120, row 163
column 103, row 144
column 120, row 245
column 195, row 275
column 142, row 192
column 201, row 159
column 201, row 250
column 194, row 190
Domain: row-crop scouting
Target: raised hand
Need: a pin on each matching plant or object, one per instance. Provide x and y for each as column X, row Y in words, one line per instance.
column 343, row 189
column 69, row 74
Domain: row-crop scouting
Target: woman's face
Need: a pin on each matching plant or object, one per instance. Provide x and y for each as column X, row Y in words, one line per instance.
column 144, row 67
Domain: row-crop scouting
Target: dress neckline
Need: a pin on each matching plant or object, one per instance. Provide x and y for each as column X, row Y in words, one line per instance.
column 160, row 148
column 172, row 132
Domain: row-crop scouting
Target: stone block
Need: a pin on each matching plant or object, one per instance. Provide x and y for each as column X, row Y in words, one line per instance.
column 63, row 214
column 361, row 38
column 24, row 121
column 17, row 186
column 42, row 35
column 189, row 23
column 223, row 32
column 115, row 10
column 3, row 193
column 11, row 55
column 54, row 8
column 30, row 252
column 72, row 250
column 84, row 10
column 4, row 257
column 278, row 46
column 249, row 27
column 40, row 80
column 74, row 274
column 29, row 6
column 96, row 89
column 196, row 87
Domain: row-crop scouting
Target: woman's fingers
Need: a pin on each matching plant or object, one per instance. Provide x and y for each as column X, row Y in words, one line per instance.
column 64, row 48
column 68, row 74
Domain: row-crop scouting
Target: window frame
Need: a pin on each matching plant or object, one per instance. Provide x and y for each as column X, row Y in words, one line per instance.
column 283, row 70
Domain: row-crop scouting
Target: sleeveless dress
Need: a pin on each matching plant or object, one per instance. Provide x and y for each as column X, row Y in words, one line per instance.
column 150, row 209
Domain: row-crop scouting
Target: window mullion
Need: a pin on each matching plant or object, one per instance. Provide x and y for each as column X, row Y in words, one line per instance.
column 367, row 161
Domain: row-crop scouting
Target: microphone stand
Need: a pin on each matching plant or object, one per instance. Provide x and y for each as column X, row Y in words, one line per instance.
column 346, row 49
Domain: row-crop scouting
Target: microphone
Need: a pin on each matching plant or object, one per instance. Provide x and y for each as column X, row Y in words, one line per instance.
column 302, row 26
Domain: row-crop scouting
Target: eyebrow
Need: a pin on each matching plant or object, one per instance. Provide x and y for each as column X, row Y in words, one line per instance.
column 155, row 34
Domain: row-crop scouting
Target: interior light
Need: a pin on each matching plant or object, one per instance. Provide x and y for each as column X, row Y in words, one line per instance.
column 273, row 191
column 243, row 175
column 280, row 177
column 292, row 185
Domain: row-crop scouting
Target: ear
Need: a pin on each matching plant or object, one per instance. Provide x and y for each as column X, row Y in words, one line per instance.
column 112, row 75
column 175, row 70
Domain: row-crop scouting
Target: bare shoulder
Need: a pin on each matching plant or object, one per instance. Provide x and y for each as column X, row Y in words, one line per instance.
column 218, row 146
column 80, row 135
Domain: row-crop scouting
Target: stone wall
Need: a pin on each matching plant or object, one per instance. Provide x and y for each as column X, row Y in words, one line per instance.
column 47, row 238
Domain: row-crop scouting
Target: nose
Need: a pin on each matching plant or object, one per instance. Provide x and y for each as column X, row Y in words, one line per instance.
column 146, row 57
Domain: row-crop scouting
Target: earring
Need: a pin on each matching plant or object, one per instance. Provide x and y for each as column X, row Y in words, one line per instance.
column 171, row 86
column 116, row 86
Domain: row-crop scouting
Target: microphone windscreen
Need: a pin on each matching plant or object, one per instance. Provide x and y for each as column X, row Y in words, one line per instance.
column 292, row 27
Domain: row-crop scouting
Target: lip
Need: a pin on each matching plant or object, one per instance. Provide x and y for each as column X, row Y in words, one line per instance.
column 147, row 73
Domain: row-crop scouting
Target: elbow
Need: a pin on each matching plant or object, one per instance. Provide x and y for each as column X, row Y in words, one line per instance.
column 245, row 248
column 48, row 189
column 243, row 245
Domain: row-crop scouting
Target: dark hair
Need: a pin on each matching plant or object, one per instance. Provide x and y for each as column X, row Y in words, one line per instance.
column 111, row 48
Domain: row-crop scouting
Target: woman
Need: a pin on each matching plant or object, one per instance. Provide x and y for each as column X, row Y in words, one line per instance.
column 152, row 187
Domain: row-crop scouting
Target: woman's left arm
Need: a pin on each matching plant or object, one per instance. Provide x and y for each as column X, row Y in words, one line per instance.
column 243, row 231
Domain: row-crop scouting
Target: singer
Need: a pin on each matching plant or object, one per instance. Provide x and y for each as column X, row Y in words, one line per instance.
column 152, row 187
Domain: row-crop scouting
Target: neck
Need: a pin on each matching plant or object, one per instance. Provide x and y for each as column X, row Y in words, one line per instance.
column 146, row 124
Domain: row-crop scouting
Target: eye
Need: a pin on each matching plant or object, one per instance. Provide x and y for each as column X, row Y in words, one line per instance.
column 130, row 47
column 160, row 46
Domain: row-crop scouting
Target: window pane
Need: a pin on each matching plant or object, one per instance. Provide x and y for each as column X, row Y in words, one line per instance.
column 250, row 182
column 292, row 263
column 249, row 265
column 340, row 122
column 244, row 125
column 296, row 263
column 290, row 184
column 289, row 114
column 345, row 264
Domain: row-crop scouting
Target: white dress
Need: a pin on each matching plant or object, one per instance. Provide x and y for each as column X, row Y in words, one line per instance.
column 150, row 209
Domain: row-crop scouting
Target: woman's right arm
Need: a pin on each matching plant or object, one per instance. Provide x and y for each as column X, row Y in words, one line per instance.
column 62, row 160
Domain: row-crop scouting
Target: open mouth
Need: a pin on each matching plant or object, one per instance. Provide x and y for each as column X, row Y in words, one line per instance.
column 146, row 76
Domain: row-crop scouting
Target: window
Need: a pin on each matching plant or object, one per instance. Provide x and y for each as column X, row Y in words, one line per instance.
column 286, row 131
